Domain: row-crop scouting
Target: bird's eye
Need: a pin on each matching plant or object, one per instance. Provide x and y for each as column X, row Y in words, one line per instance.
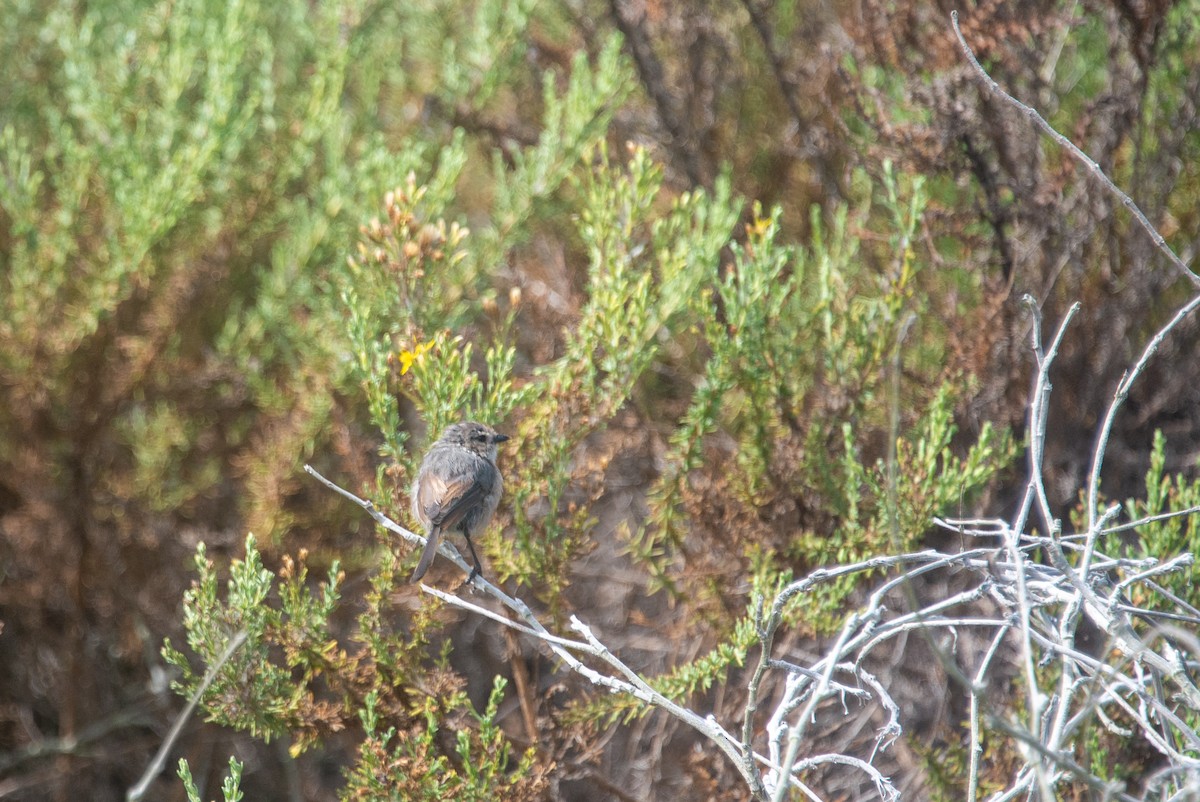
column 481, row 437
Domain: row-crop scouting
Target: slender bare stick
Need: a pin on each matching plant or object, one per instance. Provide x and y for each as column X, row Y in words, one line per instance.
column 1118, row 400
column 1074, row 150
column 976, row 693
column 1150, row 519
column 156, row 766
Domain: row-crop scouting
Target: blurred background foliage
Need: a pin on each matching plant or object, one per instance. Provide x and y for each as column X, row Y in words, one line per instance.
column 733, row 274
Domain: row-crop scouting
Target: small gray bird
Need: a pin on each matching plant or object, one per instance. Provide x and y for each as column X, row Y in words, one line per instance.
column 457, row 488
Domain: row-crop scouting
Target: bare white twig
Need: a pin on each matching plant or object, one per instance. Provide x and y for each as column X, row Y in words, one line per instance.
column 155, row 768
column 1122, row 393
column 976, row 692
column 1080, row 156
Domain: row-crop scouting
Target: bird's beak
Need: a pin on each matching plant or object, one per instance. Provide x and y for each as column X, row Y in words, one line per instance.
column 500, row 438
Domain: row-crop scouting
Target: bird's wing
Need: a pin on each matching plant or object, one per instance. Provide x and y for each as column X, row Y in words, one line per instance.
column 446, row 502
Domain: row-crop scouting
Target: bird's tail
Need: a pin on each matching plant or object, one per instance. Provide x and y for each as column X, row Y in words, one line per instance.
column 435, row 535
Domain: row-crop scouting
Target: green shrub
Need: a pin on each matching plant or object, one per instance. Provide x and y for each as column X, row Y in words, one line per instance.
column 770, row 330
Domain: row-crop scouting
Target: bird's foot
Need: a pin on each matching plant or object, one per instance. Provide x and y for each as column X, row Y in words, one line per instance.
column 471, row 576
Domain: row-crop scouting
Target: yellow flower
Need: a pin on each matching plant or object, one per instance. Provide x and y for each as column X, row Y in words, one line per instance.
column 759, row 228
column 408, row 358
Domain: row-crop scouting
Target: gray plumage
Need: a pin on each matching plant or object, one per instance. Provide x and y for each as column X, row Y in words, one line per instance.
column 458, row 488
